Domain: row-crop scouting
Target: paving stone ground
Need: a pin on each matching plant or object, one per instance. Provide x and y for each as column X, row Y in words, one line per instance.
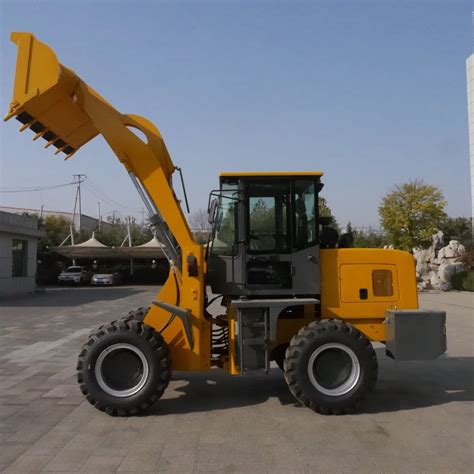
column 419, row 419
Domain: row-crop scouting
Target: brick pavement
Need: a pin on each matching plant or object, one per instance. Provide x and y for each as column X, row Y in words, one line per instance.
column 420, row 417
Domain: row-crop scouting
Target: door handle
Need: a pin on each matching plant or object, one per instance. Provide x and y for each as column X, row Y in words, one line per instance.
column 310, row 257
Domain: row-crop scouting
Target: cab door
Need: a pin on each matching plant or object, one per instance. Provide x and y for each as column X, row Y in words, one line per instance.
column 305, row 238
column 268, row 237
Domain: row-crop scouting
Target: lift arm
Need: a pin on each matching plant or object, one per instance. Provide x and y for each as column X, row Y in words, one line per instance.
column 59, row 107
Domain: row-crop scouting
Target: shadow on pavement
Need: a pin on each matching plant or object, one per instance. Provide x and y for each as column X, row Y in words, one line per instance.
column 216, row 390
column 411, row 385
column 71, row 296
column 401, row 386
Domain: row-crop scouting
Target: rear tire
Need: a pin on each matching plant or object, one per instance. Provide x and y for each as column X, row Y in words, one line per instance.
column 124, row 368
column 329, row 367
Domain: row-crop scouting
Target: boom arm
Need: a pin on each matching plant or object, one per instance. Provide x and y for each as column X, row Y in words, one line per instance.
column 61, row 108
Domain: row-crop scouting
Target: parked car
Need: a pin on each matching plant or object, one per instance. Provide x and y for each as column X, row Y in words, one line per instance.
column 106, row 278
column 76, row 275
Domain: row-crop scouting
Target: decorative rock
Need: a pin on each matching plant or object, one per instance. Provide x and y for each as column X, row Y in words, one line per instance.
column 451, row 252
column 435, row 271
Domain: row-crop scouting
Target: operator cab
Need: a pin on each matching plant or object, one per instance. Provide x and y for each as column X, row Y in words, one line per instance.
column 265, row 238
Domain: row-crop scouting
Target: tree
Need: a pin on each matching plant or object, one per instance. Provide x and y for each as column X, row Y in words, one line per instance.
column 457, row 228
column 368, row 239
column 362, row 238
column 199, row 223
column 114, row 234
column 325, row 211
column 57, row 228
column 411, row 213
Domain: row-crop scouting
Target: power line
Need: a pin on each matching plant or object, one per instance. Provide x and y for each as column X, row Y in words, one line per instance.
column 34, row 189
column 108, row 198
column 98, row 192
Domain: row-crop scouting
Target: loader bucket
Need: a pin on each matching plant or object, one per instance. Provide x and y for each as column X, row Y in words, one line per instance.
column 44, row 98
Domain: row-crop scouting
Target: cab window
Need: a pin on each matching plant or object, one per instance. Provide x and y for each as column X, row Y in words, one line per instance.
column 225, row 226
column 268, row 217
column 305, row 211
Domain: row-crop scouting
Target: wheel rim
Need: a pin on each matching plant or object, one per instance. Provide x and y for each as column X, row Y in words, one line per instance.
column 334, row 369
column 121, row 370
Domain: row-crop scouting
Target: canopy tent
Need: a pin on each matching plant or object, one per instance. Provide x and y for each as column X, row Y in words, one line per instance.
column 92, row 248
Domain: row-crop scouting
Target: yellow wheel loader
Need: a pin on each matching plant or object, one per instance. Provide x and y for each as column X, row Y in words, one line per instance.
column 288, row 290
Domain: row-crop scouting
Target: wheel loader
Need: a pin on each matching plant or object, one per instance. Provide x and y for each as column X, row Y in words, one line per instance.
column 288, row 289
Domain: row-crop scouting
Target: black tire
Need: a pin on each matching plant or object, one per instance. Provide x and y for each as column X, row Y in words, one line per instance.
column 346, row 351
column 278, row 355
column 137, row 314
column 141, row 357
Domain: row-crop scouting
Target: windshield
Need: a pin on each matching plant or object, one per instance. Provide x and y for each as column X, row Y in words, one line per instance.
column 73, row 270
column 223, row 237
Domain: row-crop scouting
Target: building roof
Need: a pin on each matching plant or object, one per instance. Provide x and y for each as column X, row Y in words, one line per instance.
column 18, row 210
column 92, row 242
column 234, row 174
column 92, row 248
column 20, row 225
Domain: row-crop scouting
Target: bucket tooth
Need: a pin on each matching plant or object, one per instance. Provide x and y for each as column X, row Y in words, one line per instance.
column 39, row 134
column 50, row 142
column 69, row 154
column 26, row 125
column 59, row 150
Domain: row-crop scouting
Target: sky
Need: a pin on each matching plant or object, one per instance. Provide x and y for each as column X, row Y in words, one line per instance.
column 371, row 93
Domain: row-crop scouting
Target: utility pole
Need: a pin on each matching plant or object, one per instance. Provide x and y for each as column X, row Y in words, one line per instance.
column 99, row 218
column 130, row 244
column 78, row 179
column 129, row 232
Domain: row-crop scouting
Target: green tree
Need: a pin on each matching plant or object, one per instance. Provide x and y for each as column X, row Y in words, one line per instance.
column 411, row 213
column 57, row 228
column 325, row 211
column 362, row 238
column 457, row 228
column 114, row 233
column 368, row 239
column 262, row 225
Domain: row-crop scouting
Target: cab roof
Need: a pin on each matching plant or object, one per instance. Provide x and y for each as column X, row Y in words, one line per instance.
column 234, row 174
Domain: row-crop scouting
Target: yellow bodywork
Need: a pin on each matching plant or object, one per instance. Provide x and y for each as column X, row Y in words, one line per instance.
column 55, row 101
column 61, row 108
column 269, row 174
column 344, row 272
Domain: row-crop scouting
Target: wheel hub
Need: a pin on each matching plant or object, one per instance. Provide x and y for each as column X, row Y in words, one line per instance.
column 121, row 370
column 334, row 369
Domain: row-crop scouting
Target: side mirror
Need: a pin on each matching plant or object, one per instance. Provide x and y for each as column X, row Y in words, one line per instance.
column 211, row 212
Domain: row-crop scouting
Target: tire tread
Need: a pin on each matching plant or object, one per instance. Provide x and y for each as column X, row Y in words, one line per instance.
column 302, row 338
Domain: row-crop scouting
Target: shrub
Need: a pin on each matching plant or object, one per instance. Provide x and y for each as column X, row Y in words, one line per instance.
column 468, row 257
column 463, row 281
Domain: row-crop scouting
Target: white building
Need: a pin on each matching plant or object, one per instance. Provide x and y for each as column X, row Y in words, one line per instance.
column 81, row 221
column 470, row 105
column 18, row 243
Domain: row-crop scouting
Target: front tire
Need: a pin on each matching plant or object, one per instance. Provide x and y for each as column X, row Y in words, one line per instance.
column 124, row 368
column 329, row 367
column 137, row 314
